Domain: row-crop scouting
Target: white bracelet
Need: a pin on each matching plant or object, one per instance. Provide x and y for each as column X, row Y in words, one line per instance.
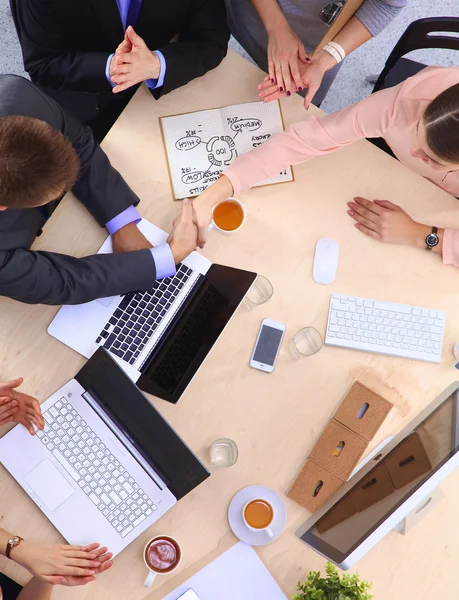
column 335, row 50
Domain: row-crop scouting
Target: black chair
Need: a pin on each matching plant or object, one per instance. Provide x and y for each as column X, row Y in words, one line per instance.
column 424, row 33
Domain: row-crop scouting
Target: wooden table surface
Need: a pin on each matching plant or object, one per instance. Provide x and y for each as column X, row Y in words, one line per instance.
column 274, row 419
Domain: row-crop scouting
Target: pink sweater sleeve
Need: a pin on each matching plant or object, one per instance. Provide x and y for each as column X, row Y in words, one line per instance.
column 314, row 137
column 450, row 248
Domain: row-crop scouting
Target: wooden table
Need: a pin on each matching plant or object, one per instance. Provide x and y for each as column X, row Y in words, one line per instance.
column 275, row 419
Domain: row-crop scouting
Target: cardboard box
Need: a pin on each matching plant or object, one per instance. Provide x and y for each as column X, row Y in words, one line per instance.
column 376, row 486
column 313, row 486
column 336, row 515
column 408, row 462
column 327, row 451
column 363, row 411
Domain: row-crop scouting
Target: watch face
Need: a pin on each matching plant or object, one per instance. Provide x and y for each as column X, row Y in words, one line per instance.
column 14, row 540
column 432, row 240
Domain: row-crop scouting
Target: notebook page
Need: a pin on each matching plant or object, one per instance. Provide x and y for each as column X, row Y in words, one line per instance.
column 201, row 145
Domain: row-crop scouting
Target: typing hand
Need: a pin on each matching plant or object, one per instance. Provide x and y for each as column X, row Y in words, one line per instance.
column 128, row 239
column 63, row 564
column 285, row 55
column 18, row 407
column 387, row 222
column 136, row 65
column 183, row 238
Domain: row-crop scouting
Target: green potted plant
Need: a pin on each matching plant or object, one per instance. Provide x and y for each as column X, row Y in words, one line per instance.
column 333, row 586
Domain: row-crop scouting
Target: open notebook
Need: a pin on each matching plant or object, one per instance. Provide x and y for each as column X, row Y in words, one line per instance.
column 200, row 145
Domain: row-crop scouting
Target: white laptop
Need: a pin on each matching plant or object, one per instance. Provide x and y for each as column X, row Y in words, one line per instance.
column 107, row 466
column 159, row 337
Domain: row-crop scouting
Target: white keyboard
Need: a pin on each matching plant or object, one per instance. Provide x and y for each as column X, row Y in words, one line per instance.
column 91, row 464
column 385, row 328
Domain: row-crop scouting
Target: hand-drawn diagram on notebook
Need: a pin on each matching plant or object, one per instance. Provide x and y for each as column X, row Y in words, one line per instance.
column 200, row 145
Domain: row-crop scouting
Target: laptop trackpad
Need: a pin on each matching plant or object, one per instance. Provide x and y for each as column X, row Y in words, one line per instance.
column 49, row 485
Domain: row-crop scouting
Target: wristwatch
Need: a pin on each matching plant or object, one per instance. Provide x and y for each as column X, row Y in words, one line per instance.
column 432, row 239
column 14, row 541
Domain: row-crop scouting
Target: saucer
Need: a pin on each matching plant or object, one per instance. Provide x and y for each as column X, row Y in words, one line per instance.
column 241, row 531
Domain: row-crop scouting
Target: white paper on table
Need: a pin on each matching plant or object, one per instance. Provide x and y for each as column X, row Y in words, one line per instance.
column 238, row 574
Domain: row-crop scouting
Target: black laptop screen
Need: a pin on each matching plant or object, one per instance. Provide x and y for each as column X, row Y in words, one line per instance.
column 137, row 418
column 193, row 332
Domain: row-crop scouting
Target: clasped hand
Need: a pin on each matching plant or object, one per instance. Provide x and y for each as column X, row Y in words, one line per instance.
column 18, row 407
column 133, row 62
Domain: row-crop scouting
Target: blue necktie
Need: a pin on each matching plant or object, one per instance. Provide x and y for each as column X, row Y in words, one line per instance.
column 133, row 12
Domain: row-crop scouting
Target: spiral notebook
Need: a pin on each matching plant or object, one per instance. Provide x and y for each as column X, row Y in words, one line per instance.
column 200, row 145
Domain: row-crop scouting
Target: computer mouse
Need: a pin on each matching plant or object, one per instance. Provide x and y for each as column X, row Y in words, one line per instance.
column 325, row 260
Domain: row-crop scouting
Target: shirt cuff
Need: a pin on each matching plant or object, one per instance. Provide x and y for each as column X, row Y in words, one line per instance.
column 156, row 83
column 164, row 261
column 129, row 215
column 107, row 70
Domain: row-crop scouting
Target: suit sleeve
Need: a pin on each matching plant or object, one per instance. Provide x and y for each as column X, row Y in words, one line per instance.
column 201, row 46
column 55, row 279
column 47, row 57
column 100, row 187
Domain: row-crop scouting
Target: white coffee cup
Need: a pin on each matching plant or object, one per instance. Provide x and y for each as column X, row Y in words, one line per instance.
column 244, row 216
column 267, row 529
column 154, row 572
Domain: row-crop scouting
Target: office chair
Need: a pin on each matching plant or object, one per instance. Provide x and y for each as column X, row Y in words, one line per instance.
column 424, row 33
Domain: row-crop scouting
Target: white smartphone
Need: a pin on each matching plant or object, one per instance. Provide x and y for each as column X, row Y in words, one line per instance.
column 267, row 346
column 189, row 595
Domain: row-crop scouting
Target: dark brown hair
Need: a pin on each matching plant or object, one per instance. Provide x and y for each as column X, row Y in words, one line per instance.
column 441, row 122
column 35, row 162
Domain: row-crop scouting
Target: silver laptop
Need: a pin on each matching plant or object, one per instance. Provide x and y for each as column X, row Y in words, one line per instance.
column 159, row 337
column 107, row 465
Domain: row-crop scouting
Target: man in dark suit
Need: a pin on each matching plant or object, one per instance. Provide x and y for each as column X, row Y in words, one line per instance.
column 69, row 48
column 43, row 153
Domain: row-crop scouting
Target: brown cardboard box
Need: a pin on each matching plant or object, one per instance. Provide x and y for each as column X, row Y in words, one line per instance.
column 351, row 408
column 336, row 515
column 325, row 451
column 408, row 462
column 373, row 488
column 305, row 490
column 346, row 13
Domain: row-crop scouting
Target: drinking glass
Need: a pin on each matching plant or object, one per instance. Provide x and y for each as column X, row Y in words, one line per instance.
column 223, row 453
column 306, row 342
column 260, row 292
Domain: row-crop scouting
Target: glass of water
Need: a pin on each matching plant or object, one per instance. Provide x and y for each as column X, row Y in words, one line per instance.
column 223, row 453
column 306, row 342
column 260, row 292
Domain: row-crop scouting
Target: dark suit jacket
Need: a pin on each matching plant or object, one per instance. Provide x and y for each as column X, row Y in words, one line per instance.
column 66, row 43
column 47, row 277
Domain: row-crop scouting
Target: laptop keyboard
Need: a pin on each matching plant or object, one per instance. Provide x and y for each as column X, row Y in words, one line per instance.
column 138, row 315
column 91, row 464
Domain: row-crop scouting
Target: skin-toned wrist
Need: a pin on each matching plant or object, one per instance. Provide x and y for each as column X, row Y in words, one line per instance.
column 422, row 232
column 219, row 191
column 324, row 60
column 18, row 552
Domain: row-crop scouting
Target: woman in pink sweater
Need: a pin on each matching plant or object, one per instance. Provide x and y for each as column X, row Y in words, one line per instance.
column 419, row 120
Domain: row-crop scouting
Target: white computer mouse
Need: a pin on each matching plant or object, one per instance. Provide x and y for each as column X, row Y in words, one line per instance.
column 325, row 260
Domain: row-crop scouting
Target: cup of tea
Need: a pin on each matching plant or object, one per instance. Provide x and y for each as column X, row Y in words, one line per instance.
column 162, row 555
column 258, row 515
column 228, row 216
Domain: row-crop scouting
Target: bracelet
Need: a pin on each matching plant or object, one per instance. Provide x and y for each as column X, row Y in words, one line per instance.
column 335, row 50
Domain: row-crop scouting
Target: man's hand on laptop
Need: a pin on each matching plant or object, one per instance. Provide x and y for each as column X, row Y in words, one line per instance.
column 129, row 238
column 63, row 564
column 18, row 407
column 183, row 238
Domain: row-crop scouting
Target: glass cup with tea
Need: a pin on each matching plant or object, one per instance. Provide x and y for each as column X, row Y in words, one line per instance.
column 228, row 216
column 258, row 515
column 162, row 555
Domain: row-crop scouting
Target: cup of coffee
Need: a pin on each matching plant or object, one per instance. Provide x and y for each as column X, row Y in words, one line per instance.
column 258, row 515
column 162, row 555
column 228, row 216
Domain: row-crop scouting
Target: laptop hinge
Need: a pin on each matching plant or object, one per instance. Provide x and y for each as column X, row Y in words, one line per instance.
column 125, row 440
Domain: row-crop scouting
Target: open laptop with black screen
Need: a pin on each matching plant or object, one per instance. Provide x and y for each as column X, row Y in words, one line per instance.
column 159, row 337
column 107, row 465
column 393, row 484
